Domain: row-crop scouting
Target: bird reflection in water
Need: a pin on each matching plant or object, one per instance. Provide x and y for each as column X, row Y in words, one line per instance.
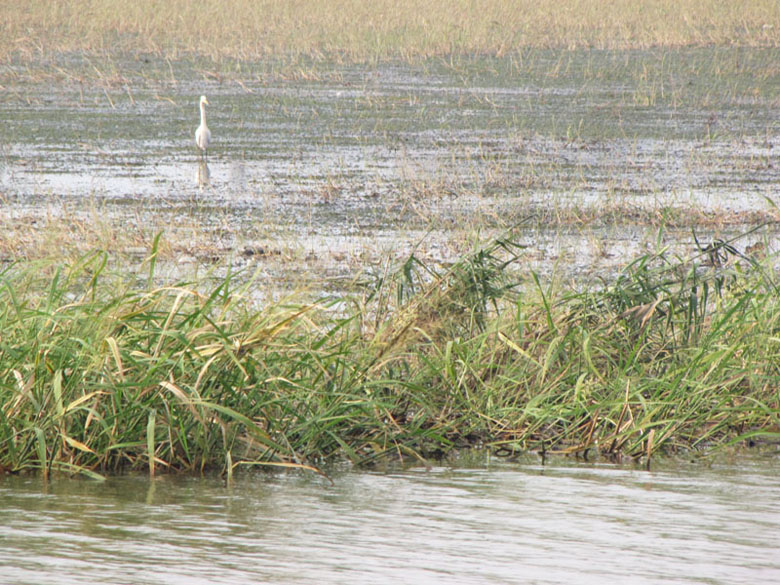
column 204, row 174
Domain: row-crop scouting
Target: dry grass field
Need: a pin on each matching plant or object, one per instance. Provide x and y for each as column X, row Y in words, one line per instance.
column 376, row 29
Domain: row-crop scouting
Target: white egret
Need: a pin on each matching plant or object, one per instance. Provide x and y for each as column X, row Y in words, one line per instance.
column 203, row 134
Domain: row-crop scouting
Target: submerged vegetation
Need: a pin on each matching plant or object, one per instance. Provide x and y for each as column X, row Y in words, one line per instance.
column 100, row 372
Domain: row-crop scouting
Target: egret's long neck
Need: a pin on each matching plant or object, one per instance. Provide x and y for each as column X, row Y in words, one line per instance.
column 202, row 114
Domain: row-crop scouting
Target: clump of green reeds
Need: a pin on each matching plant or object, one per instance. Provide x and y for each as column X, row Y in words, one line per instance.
column 674, row 355
column 100, row 373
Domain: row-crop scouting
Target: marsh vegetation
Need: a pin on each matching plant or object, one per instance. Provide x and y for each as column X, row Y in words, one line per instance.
column 379, row 29
column 488, row 226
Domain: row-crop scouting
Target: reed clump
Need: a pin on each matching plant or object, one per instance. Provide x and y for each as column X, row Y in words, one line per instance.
column 101, row 373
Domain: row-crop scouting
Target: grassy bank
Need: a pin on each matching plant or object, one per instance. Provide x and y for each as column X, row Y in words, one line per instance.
column 376, row 29
column 100, row 372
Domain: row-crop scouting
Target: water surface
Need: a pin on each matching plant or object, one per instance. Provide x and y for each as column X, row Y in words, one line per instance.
column 337, row 167
column 494, row 523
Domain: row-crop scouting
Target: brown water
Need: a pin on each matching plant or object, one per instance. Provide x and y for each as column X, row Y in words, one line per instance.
column 493, row 523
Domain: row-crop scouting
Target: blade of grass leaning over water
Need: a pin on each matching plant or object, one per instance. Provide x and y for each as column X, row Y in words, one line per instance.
column 102, row 372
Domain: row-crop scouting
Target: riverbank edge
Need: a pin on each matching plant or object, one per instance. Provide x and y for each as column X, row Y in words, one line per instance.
column 101, row 372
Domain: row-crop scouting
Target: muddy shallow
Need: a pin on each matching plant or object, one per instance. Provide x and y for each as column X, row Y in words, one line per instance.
column 317, row 176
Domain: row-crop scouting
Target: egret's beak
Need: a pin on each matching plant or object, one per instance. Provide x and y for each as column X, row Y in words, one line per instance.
column 205, row 101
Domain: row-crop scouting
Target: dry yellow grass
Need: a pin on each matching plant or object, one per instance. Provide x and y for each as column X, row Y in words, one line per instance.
column 376, row 29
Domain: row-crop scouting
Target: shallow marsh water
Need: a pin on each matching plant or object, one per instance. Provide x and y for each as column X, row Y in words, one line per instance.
column 488, row 522
column 332, row 168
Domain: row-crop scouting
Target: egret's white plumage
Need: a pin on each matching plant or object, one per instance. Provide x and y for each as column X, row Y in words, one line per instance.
column 203, row 134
